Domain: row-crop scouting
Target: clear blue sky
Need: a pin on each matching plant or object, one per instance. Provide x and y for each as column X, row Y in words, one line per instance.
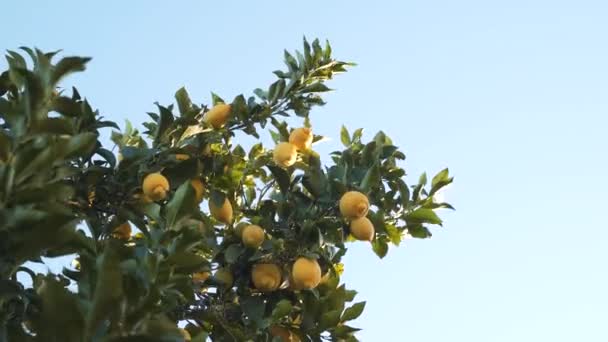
column 511, row 95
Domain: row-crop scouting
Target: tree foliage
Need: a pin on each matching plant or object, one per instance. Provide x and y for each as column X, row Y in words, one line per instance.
column 143, row 268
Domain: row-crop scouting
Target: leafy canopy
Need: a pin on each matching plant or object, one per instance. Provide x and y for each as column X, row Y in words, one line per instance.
column 143, row 268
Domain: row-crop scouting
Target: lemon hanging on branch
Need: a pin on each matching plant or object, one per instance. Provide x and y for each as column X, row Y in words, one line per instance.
column 362, row 229
column 354, row 204
column 222, row 213
column 285, row 154
column 218, row 115
column 155, row 186
column 306, row 273
column 301, row 138
column 253, row 236
column 266, row 277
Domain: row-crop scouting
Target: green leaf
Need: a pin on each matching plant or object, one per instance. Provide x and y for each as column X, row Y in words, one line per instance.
column 187, row 261
column 254, row 308
column 109, row 286
column 424, row 215
column 404, row 190
column 440, row 176
column 239, row 107
column 276, row 90
column 282, row 309
column 371, row 179
column 182, row 203
column 353, row 312
column 393, row 234
column 5, row 145
column 66, row 106
column 422, row 180
column 316, row 88
column 66, row 66
column 440, row 180
column 345, row 136
column 183, row 101
column 80, row 145
column 418, row 231
column 215, row 99
column 380, row 247
column 357, row 135
column 165, row 121
column 281, row 176
column 232, row 253
column 330, row 319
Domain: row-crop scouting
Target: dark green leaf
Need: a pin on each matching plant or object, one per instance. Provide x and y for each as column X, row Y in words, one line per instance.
column 183, row 101
column 380, row 247
column 353, row 312
column 182, row 203
column 68, row 65
column 371, row 179
column 232, row 253
column 330, row 319
column 282, row 309
column 281, row 176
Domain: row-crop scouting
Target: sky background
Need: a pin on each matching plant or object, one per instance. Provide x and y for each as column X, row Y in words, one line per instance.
column 511, row 95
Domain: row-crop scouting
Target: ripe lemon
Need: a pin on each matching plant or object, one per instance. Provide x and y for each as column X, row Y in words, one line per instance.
column 266, row 277
column 185, row 335
column 199, row 189
column 224, row 277
column 285, row 154
column 301, row 138
column 200, row 277
column 253, row 236
column 306, row 273
column 354, row 204
column 155, row 186
column 284, row 334
column 362, row 229
column 218, row 115
column 122, row 232
column 223, row 213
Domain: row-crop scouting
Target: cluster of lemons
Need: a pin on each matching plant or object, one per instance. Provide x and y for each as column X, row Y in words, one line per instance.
column 285, row 154
column 305, row 273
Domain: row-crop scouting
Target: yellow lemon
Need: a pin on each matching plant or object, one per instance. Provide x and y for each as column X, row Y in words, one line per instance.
column 218, row 115
column 185, row 335
column 362, row 229
column 253, row 236
column 223, row 213
column 301, row 138
column 122, row 232
column 306, row 273
column 285, row 154
column 266, row 277
column 200, row 277
column 199, row 189
column 224, row 277
column 354, row 204
column 155, row 186
column 284, row 334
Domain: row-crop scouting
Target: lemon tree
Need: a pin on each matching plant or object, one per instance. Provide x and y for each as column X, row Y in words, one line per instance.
column 178, row 232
